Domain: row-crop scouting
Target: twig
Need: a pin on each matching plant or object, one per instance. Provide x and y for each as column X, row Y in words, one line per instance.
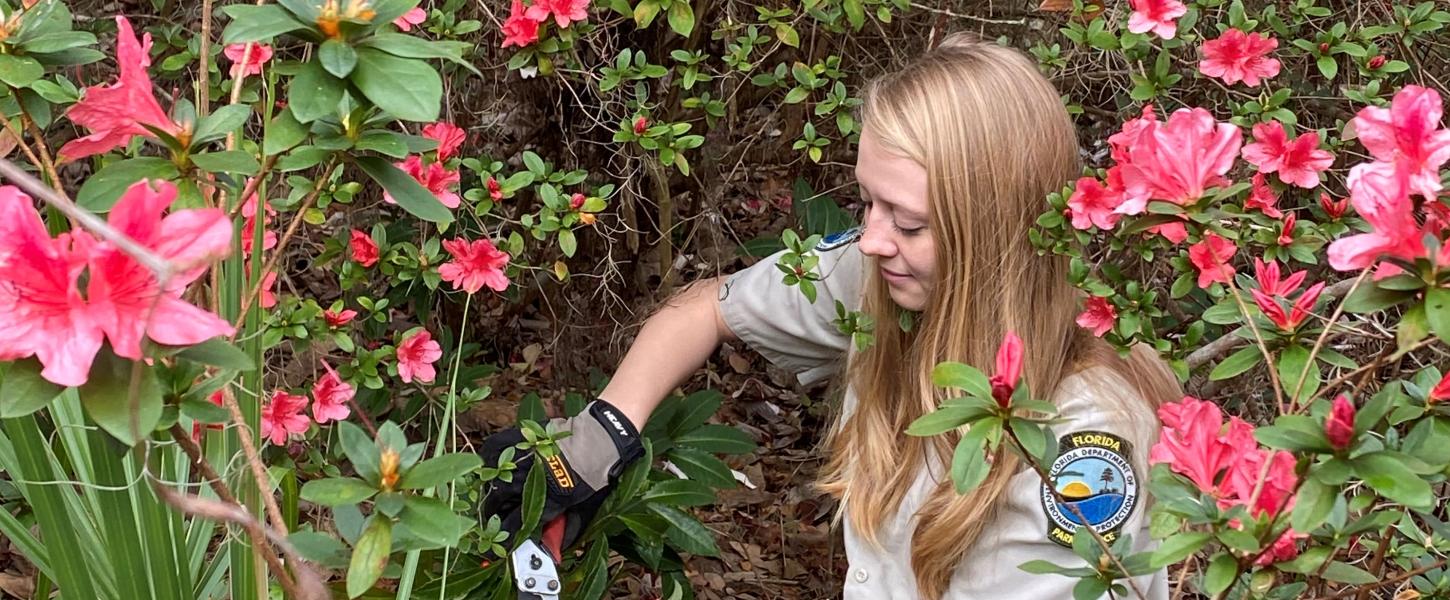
column 942, row 11
column 259, row 473
column 1318, row 343
column 271, row 263
column 157, row 265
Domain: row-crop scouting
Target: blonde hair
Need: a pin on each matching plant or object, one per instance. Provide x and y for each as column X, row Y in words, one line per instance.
column 995, row 140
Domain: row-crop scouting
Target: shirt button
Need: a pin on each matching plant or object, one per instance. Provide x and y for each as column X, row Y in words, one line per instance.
column 862, row 575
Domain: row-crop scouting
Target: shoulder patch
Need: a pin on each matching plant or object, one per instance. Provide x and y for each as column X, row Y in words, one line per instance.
column 1097, row 485
column 838, row 239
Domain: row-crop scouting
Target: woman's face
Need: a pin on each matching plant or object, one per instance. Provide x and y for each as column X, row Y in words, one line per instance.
column 896, row 232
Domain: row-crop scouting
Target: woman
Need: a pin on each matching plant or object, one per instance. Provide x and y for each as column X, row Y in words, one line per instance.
column 958, row 151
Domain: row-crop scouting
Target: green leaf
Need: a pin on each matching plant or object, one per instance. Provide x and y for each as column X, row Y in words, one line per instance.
column 1347, row 573
column 438, row 471
column 107, row 398
column 568, row 244
column 1437, row 311
column 218, row 352
column 378, row 75
column 337, row 491
column 969, row 462
column 218, row 124
column 1390, row 477
column 941, row 420
column 686, row 532
column 337, row 57
column 1222, row 571
column 20, row 71
column 1238, row 362
column 535, row 489
column 1178, row 547
column 257, row 23
column 23, row 390
column 1327, row 66
column 314, row 93
column 230, row 161
column 383, row 142
column 702, row 467
column 370, row 555
column 1312, row 506
column 680, row 492
column 407, row 46
column 405, row 190
column 320, row 548
column 964, row 377
column 102, row 189
column 58, row 41
column 433, row 521
column 682, row 18
column 1292, row 362
column 283, row 133
column 360, row 449
column 719, row 439
column 1371, row 298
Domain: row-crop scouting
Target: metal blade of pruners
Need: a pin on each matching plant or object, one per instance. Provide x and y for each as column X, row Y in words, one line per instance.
column 536, row 564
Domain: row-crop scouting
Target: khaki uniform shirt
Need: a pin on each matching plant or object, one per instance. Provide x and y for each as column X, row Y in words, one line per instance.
column 780, row 323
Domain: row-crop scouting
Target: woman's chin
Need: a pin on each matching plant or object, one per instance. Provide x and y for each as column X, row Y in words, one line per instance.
column 908, row 297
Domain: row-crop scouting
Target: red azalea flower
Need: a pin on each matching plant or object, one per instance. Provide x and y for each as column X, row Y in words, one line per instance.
column 249, row 225
column 449, row 137
column 1176, row 160
column 1212, row 257
column 338, row 319
column 252, row 65
column 1009, row 369
column 1098, row 315
column 563, row 11
column 267, row 298
column 1286, row 235
column 330, row 396
column 1157, row 16
column 1301, row 309
column 1339, row 425
column 1267, row 275
column 1441, row 391
column 413, row 17
column 283, row 416
column 1333, row 208
column 364, row 249
column 1297, row 162
column 1262, row 197
column 437, row 178
column 495, row 191
column 1237, row 56
column 416, row 355
column 113, row 113
column 1092, row 204
column 1408, row 134
column 518, row 29
column 475, row 264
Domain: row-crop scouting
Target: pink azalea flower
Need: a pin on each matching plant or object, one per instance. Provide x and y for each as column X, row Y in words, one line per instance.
column 1408, row 134
column 495, row 191
column 1092, row 204
column 564, row 11
column 475, row 264
column 1284, row 548
column 1241, row 479
column 448, row 136
column 437, row 178
column 1301, row 309
column 338, row 319
column 1213, row 257
column 1441, row 391
column 1262, row 197
column 261, row 53
column 1378, row 192
column 282, row 416
column 1267, row 275
column 330, row 396
column 1124, row 141
column 125, row 297
column 1157, row 16
column 518, row 29
column 364, row 249
column 266, row 298
column 1099, row 315
column 1175, row 233
column 40, row 303
column 409, row 19
column 416, row 355
column 1190, row 443
column 1339, row 425
column 249, row 225
column 113, row 113
column 1237, row 56
column 1009, row 369
column 1298, row 162
column 1177, row 160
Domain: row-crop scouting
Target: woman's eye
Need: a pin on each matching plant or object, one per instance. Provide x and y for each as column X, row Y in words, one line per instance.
column 908, row 231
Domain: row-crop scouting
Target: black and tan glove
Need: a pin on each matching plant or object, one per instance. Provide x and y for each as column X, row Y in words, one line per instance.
column 602, row 442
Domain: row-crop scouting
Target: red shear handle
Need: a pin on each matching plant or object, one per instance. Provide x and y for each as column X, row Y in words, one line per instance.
column 553, row 538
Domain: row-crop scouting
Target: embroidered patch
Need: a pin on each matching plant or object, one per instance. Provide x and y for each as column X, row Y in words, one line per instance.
column 838, row 239
column 1097, row 484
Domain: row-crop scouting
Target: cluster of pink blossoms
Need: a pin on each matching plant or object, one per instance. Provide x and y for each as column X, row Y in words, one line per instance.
column 521, row 28
column 282, row 415
column 435, row 175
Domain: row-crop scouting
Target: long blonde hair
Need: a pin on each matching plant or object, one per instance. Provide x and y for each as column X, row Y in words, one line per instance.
column 994, row 139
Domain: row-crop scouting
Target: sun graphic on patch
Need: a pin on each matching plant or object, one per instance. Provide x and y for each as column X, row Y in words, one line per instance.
column 1095, row 484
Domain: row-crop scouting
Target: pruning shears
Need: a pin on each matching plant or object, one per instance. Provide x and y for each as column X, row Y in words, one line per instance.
column 536, row 563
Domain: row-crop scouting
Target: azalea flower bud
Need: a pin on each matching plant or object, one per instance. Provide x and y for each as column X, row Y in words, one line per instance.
column 1286, row 236
column 1376, row 62
column 1334, row 208
column 640, row 125
column 1441, row 391
column 388, row 469
column 576, row 201
column 495, row 191
column 1324, row 47
column 1009, row 370
column 1339, row 425
column 586, row 218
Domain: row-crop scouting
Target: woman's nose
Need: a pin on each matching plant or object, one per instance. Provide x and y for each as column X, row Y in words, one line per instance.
column 876, row 239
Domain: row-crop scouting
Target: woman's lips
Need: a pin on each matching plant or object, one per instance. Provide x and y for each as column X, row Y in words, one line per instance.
column 894, row 278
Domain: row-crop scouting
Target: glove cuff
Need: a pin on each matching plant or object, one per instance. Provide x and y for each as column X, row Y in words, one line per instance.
column 621, row 431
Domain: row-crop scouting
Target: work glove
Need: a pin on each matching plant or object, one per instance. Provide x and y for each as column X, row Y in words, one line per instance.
column 602, row 442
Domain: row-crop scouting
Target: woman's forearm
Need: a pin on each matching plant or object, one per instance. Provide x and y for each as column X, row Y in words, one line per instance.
column 673, row 343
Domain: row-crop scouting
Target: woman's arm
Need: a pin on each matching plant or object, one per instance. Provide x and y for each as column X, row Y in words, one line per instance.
column 673, row 344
